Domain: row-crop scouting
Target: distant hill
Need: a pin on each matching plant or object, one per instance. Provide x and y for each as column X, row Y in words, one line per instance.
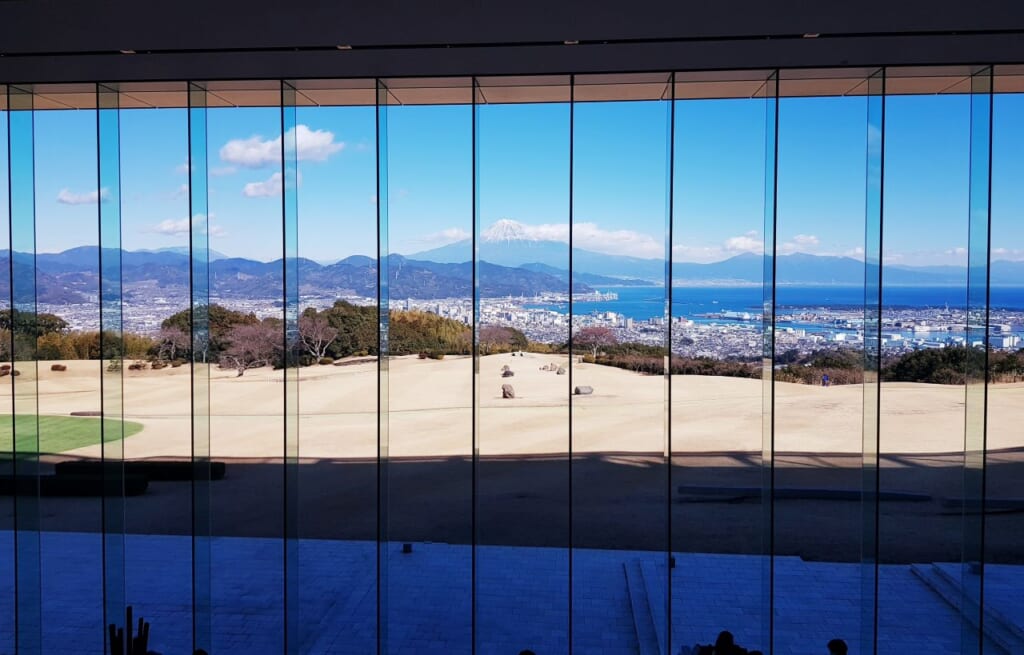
column 72, row 276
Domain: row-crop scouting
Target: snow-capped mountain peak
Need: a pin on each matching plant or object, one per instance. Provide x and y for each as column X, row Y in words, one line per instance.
column 506, row 229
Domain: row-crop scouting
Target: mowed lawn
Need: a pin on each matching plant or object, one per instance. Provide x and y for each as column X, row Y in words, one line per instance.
column 59, row 433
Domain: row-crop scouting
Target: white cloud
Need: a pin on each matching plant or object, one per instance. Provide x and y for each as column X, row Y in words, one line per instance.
column 958, row 252
column 450, row 235
column 67, row 197
column 855, row 253
column 181, row 191
column 256, row 152
column 183, row 169
column 177, row 227
column 265, row 189
column 268, row 188
column 805, row 243
column 1011, row 254
column 748, row 242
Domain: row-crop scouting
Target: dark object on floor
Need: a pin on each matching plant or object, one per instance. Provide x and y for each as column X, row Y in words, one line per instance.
column 507, row 391
column 164, row 471
column 122, row 644
column 406, row 549
column 583, row 391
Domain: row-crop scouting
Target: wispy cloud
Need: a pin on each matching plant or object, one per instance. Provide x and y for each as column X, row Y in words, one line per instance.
column 67, row 197
column 268, row 188
column 450, row 235
column 256, row 152
column 178, row 227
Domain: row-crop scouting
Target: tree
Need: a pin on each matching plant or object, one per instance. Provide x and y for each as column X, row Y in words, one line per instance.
column 173, row 342
column 251, row 346
column 212, row 325
column 595, row 338
column 494, row 338
column 316, row 335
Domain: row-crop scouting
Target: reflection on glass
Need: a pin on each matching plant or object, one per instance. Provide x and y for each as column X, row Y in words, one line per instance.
column 430, row 373
column 924, row 295
column 719, row 154
column 617, row 370
column 818, row 369
column 522, row 514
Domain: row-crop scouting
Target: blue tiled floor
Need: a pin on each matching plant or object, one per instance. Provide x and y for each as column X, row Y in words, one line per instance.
column 521, row 602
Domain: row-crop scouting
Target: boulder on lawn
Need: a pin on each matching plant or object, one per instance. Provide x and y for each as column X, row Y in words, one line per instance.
column 507, row 391
column 560, row 371
column 507, row 373
column 583, row 391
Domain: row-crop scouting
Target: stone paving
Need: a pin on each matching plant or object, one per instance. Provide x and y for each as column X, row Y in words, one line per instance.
column 521, row 602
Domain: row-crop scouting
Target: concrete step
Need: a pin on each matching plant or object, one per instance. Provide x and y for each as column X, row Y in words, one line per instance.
column 999, row 631
column 643, row 621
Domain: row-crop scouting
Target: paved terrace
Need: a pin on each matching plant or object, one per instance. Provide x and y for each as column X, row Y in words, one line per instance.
column 619, row 600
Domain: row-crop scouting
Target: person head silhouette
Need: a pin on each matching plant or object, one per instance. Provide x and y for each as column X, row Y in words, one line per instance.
column 837, row 647
column 724, row 643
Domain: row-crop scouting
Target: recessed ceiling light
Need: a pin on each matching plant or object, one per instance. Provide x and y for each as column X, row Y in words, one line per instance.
column 571, row 42
column 812, row 35
column 127, row 52
column 343, row 47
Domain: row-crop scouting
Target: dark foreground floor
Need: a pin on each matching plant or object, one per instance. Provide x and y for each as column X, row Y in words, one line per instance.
column 618, row 501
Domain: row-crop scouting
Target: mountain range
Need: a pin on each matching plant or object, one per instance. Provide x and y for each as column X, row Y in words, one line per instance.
column 507, row 268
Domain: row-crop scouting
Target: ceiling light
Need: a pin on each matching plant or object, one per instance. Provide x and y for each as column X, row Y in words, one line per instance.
column 343, row 47
column 812, row 35
column 127, row 52
column 571, row 42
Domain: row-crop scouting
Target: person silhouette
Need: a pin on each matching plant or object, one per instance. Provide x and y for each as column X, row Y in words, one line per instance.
column 837, row 647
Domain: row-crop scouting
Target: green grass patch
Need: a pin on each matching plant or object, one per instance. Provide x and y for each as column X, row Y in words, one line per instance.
column 58, row 434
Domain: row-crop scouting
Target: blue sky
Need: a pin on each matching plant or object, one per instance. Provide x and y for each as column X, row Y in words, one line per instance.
column 619, row 184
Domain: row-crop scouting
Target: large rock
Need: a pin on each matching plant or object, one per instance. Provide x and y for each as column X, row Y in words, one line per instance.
column 560, row 371
column 507, row 391
column 507, row 374
column 583, row 391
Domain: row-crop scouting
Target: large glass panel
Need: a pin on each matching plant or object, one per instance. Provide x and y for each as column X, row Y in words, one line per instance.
column 872, row 359
column 7, row 574
column 337, row 466
column 25, row 408
column 1005, row 440
column 924, row 367
column 976, row 373
column 200, row 329
column 153, row 366
column 111, row 347
column 724, row 155
column 247, row 381
column 523, row 262
column 617, row 371
column 818, row 365
column 67, row 381
column 430, row 373
column 1004, row 453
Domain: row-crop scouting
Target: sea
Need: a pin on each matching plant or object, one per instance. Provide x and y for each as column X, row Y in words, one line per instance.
column 642, row 303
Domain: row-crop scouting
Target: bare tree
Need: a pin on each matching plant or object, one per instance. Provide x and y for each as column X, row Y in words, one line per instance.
column 316, row 335
column 173, row 342
column 595, row 338
column 492, row 337
column 251, row 346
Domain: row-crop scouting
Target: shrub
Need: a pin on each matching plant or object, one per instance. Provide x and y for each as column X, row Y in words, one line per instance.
column 15, row 371
column 177, row 363
column 326, row 361
column 114, row 366
column 158, row 364
column 137, row 366
column 423, row 355
column 5, row 367
column 437, row 354
column 58, row 367
column 4, row 372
